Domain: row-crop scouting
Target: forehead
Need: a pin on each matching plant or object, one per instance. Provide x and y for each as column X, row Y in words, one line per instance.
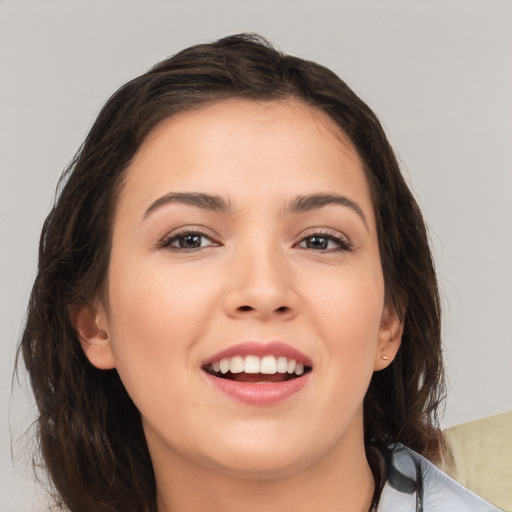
column 248, row 149
column 289, row 116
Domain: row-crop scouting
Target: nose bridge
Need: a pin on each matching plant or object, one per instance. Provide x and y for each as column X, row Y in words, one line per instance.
column 261, row 282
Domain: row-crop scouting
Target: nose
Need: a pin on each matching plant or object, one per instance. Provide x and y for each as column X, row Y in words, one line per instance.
column 261, row 286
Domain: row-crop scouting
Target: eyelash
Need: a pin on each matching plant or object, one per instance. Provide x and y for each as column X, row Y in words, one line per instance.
column 342, row 242
column 168, row 240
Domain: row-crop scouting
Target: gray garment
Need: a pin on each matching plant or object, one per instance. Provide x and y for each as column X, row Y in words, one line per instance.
column 404, row 486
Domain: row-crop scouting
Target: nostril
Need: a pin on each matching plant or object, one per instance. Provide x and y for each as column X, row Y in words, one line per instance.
column 280, row 310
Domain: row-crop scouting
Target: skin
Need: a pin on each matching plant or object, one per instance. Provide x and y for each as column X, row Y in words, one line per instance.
column 255, row 277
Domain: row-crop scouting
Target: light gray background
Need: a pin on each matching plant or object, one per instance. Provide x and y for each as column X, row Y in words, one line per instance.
column 438, row 74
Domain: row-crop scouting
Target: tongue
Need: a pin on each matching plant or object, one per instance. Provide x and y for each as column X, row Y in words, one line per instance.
column 258, row 377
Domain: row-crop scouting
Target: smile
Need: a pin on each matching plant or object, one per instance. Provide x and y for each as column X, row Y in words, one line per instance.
column 258, row 374
column 252, row 368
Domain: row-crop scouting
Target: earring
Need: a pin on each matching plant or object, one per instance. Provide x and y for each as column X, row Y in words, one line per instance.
column 386, row 358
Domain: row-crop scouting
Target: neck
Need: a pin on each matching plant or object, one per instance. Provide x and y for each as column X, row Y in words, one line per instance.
column 340, row 480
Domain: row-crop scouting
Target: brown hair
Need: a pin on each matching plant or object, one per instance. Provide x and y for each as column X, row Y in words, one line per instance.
column 90, row 432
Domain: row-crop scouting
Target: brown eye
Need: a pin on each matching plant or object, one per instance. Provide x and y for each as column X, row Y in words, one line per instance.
column 191, row 241
column 324, row 243
column 188, row 241
column 317, row 242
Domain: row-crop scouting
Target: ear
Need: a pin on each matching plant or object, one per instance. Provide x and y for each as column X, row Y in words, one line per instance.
column 390, row 337
column 88, row 322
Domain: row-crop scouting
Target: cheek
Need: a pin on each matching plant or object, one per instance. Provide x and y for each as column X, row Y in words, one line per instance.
column 353, row 298
column 157, row 301
column 348, row 307
column 155, row 319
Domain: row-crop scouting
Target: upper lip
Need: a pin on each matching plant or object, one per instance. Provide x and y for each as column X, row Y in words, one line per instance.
column 255, row 348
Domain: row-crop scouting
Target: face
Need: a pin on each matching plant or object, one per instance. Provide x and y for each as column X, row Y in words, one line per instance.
column 245, row 312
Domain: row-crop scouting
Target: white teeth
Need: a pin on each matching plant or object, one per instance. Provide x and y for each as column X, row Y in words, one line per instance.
column 291, row 365
column 224, row 365
column 236, row 364
column 268, row 365
column 282, row 364
column 252, row 364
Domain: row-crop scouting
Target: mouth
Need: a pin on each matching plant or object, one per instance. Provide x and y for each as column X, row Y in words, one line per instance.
column 257, row 369
column 259, row 374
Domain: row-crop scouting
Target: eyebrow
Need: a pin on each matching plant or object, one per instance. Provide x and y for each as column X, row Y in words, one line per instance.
column 197, row 199
column 316, row 201
column 218, row 204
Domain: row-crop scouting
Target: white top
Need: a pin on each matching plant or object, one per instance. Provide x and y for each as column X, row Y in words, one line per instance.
column 401, row 493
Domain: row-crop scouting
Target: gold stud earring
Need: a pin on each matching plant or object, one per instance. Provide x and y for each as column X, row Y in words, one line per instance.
column 386, row 358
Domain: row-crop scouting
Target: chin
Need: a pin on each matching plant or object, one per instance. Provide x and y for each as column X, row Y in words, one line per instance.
column 263, row 456
column 263, row 464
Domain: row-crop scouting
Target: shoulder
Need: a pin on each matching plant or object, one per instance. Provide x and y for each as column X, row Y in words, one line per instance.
column 478, row 455
column 414, row 484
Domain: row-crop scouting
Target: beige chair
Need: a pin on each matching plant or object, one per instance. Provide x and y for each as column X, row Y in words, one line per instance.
column 479, row 456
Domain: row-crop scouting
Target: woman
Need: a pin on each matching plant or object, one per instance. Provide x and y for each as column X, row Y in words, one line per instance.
column 236, row 305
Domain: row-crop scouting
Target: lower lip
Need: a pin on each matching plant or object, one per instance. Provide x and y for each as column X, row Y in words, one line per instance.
column 264, row 393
